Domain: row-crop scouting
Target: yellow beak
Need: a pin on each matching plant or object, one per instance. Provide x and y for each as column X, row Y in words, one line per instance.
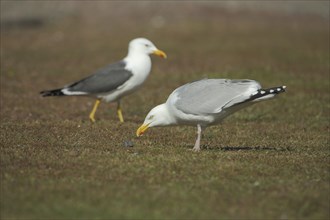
column 160, row 53
column 140, row 131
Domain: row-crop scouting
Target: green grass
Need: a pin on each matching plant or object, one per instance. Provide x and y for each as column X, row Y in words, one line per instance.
column 269, row 161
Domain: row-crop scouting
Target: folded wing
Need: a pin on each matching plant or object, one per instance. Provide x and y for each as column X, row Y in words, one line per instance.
column 210, row 96
column 104, row 80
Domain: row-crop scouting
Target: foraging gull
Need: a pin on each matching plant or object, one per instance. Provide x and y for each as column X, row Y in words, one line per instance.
column 206, row 102
column 116, row 80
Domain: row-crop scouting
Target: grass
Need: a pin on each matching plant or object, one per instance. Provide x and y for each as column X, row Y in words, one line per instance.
column 269, row 161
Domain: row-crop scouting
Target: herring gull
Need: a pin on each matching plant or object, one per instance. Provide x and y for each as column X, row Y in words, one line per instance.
column 206, row 102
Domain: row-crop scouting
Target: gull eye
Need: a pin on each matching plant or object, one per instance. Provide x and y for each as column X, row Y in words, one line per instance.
column 150, row 117
column 147, row 45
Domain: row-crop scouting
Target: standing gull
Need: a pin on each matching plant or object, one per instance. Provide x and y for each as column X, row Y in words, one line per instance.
column 116, row 80
column 206, row 102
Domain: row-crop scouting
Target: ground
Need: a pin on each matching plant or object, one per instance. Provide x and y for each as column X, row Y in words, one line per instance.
column 270, row 160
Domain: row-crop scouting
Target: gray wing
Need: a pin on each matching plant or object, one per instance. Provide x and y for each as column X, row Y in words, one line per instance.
column 104, row 80
column 212, row 95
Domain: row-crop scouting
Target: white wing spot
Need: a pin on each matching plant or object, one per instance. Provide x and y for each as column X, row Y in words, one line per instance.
column 271, row 91
column 283, row 87
column 262, row 92
column 278, row 89
column 255, row 93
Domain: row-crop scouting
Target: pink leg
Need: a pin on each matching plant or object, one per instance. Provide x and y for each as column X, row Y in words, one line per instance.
column 197, row 146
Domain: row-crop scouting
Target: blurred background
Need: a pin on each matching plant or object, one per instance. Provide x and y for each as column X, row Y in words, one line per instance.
column 46, row 11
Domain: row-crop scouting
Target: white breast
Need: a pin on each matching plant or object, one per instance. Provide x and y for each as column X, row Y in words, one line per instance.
column 140, row 66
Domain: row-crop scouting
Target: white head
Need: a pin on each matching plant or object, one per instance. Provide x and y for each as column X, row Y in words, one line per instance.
column 144, row 46
column 158, row 116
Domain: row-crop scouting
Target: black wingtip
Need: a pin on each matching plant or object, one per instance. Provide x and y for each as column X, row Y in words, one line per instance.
column 55, row 92
column 264, row 92
column 275, row 90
